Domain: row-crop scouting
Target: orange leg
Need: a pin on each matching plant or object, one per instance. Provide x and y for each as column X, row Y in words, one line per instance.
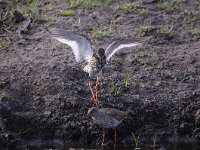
column 115, row 137
column 103, row 136
column 96, row 90
column 93, row 96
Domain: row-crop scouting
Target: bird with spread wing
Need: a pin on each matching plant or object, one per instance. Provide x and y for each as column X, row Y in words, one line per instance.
column 92, row 63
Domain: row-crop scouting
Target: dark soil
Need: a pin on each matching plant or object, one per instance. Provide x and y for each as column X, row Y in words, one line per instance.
column 44, row 95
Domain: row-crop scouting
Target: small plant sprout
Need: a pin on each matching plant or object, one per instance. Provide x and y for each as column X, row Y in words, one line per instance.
column 126, row 8
column 195, row 31
column 169, row 6
column 50, row 7
column 127, row 80
column 66, row 12
column 72, row 3
column 99, row 34
column 30, row 9
column 154, row 140
column 143, row 30
column 115, row 89
column 136, row 9
column 142, row 53
column 136, row 140
column 158, row 65
column 5, row 21
column 166, row 30
column 42, row 14
column 2, row 44
column 141, row 11
column 189, row 17
column 50, row 22
column 3, row 94
column 87, row 4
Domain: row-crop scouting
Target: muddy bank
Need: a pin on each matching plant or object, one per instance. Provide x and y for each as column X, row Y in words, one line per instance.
column 44, row 95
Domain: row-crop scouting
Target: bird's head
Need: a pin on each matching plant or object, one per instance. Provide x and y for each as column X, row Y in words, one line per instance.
column 101, row 52
column 92, row 111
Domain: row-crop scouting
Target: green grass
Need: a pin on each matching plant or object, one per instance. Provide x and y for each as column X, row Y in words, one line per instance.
column 99, row 34
column 168, row 6
column 72, row 3
column 126, row 8
column 50, row 22
column 141, row 11
column 166, row 30
column 115, row 89
column 3, row 94
column 30, row 9
column 2, row 44
column 50, row 7
column 88, row 3
column 142, row 53
column 96, row 33
column 143, row 30
column 195, row 31
column 42, row 14
column 138, row 10
column 4, row 16
column 158, row 65
column 104, row 3
column 136, row 140
column 66, row 12
column 189, row 17
column 6, row 21
column 154, row 140
column 127, row 80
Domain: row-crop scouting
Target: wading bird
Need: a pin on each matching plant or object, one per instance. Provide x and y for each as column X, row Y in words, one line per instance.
column 107, row 118
column 91, row 63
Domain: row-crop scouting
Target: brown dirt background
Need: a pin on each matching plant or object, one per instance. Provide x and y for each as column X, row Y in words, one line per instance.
column 44, row 95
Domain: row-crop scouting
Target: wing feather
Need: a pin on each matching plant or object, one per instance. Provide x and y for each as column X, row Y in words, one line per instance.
column 115, row 46
column 79, row 43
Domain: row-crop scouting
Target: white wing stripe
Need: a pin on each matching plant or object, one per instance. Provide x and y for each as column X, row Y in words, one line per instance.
column 111, row 50
column 73, row 45
column 79, row 44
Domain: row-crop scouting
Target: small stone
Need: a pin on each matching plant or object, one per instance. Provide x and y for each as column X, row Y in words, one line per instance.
column 47, row 113
column 72, row 124
column 196, row 93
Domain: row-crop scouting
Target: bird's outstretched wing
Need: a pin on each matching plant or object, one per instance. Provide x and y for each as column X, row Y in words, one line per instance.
column 79, row 43
column 115, row 46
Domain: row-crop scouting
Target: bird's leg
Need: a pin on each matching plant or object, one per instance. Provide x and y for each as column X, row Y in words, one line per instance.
column 103, row 136
column 93, row 96
column 96, row 90
column 115, row 137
